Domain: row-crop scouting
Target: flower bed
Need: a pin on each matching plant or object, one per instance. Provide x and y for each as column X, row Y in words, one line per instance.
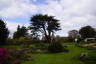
column 3, row 55
column 13, row 56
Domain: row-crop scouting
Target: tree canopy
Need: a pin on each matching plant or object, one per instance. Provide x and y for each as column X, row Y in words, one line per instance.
column 47, row 25
column 4, row 32
column 87, row 32
column 21, row 32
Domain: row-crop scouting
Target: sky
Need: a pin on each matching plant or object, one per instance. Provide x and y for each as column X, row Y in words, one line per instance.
column 73, row 14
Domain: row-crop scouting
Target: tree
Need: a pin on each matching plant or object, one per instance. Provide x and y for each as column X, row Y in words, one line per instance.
column 3, row 32
column 21, row 32
column 87, row 32
column 47, row 25
column 73, row 33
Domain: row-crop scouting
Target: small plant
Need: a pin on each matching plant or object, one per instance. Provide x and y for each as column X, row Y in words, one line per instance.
column 56, row 47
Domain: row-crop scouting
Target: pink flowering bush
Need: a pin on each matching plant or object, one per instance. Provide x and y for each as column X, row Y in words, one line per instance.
column 3, row 56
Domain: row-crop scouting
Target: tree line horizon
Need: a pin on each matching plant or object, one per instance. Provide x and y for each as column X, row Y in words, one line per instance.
column 41, row 24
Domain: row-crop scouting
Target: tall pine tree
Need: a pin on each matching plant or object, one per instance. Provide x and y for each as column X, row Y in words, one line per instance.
column 21, row 32
column 3, row 32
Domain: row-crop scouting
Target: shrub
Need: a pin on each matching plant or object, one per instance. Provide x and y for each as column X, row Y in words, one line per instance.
column 41, row 46
column 13, row 56
column 38, row 48
column 56, row 47
column 3, row 56
column 17, row 56
column 22, row 40
column 11, row 41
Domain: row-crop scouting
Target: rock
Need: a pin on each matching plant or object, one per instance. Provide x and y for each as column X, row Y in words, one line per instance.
column 83, row 55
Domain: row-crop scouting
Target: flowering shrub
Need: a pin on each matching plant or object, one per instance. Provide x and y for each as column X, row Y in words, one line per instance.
column 3, row 55
column 17, row 56
column 13, row 56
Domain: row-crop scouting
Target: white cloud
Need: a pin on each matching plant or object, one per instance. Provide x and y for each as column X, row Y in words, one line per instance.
column 72, row 14
column 12, row 26
column 16, row 8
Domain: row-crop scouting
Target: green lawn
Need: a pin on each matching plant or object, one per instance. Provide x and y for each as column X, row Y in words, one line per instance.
column 59, row 58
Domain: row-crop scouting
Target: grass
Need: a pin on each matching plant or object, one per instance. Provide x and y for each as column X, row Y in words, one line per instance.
column 59, row 58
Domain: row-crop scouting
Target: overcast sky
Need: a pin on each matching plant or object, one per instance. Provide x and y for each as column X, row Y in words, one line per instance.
column 73, row 14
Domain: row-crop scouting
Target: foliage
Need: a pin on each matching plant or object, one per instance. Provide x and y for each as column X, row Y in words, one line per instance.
column 45, row 24
column 34, row 35
column 65, row 39
column 56, row 47
column 70, row 39
column 37, row 48
column 22, row 40
column 87, row 32
column 73, row 33
column 3, row 56
column 21, row 32
column 3, row 32
column 59, row 39
column 9, row 41
column 17, row 56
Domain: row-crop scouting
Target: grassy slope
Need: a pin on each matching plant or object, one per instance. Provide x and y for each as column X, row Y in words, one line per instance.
column 59, row 58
